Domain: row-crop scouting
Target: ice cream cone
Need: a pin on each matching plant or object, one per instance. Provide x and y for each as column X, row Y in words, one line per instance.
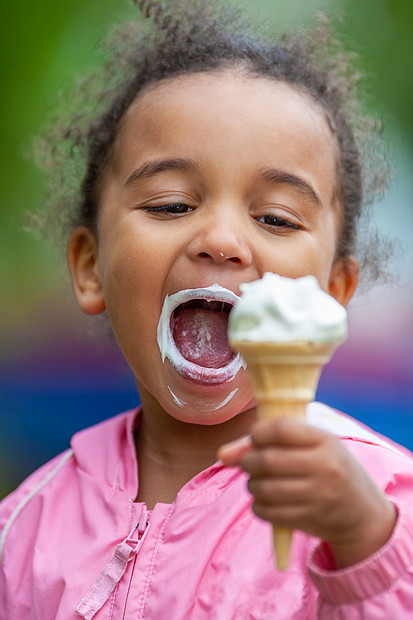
column 284, row 376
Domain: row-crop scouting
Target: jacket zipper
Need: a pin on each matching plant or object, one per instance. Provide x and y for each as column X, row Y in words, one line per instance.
column 114, row 570
column 138, row 534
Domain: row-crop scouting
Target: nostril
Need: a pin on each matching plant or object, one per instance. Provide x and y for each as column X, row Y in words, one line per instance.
column 222, row 257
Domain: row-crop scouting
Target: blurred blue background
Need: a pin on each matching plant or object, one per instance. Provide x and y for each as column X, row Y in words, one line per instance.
column 57, row 374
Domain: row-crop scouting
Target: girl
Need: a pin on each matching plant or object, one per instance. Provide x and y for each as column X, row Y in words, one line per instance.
column 216, row 158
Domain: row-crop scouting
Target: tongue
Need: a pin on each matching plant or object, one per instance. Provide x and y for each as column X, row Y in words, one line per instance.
column 201, row 336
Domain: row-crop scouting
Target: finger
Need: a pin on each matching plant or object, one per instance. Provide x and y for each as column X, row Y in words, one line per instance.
column 286, row 432
column 294, row 516
column 231, row 453
column 273, row 492
column 284, row 462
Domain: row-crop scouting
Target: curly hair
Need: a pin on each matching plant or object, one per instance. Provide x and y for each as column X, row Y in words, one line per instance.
column 188, row 36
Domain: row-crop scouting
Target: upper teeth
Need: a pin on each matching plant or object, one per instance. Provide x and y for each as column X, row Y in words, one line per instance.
column 205, row 304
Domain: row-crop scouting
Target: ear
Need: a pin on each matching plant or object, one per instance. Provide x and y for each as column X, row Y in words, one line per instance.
column 343, row 279
column 82, row 258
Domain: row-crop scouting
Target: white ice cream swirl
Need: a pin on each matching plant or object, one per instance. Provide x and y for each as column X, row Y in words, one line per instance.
column 279, row 309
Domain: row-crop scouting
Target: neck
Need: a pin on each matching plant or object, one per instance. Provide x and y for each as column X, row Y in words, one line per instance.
column 171, row 452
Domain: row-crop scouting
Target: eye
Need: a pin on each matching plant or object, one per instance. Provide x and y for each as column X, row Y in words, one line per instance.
column 277, row 222
column 174, row 208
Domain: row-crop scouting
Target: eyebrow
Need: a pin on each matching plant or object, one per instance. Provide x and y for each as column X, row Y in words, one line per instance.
column 280, row 177
column 269, row 175
column 151, row 168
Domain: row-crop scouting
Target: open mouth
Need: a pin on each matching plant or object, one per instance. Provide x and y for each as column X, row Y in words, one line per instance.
column 192, row 334
column 199, row 329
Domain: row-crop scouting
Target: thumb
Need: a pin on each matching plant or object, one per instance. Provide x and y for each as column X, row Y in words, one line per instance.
column 232, row 452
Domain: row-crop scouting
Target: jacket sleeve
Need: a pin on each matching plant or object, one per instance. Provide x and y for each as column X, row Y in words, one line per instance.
column 381, row 586
column 18, row 555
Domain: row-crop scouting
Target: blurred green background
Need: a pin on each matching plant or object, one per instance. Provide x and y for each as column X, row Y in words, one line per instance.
column 44, row 44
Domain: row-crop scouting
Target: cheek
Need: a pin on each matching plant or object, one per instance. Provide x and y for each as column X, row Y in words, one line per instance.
column 128, row 261
column 327, row 252
column 128, row 281
column 333, row 225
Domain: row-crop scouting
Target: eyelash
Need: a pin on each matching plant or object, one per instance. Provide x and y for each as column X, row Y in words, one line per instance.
column 277, row 222
column 168, row 208
column 179, row 208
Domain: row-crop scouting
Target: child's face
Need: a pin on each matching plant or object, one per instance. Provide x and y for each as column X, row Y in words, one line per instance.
column 249, row 165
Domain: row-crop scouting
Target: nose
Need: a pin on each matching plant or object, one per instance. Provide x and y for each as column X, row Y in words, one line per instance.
column 221, row 238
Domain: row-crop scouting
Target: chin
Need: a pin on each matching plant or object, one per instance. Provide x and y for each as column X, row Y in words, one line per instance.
column 207, row 404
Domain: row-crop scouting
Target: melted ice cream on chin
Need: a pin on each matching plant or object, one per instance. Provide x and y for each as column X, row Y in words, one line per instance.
column 203, row 354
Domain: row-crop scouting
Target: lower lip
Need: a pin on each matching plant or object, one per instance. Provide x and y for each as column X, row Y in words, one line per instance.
column 209, row 376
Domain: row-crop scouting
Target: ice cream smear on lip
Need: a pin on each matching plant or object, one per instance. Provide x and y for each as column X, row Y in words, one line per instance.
column 192, row 334
column 281, row 309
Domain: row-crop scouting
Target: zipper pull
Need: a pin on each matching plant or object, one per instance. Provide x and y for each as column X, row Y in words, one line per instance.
column 138, row 535
column 114, row 570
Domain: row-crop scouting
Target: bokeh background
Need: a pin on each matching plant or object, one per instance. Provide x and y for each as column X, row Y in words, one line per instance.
column 57, row 374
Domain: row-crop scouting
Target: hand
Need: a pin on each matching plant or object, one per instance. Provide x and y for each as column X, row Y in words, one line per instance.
column 304, row 478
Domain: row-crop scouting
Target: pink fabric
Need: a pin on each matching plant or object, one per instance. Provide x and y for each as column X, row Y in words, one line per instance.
column 387, row 575
column 70, row 540
column 114, row 570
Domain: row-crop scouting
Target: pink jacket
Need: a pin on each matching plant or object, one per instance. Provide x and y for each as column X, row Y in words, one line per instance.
column 75, row 545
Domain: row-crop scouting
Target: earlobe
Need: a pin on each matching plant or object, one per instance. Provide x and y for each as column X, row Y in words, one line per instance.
column 82, row 258
column 344, row 279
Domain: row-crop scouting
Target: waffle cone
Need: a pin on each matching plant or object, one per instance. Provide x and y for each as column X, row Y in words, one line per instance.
column 284, row 374
column 285, row 377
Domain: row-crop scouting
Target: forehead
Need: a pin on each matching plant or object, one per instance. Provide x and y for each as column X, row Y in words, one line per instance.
column 232, row 116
